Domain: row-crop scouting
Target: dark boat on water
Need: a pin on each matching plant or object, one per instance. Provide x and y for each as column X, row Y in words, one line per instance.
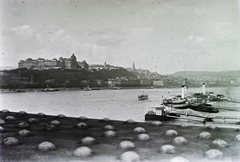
column 143, row 97
column 160, row 113
column 204, row 108
column 209, row 109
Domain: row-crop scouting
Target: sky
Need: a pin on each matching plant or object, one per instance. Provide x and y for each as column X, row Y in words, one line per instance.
column 163, row 36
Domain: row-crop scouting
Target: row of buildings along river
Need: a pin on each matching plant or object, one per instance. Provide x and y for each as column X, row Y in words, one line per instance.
column 123, row 77
column 139, row 77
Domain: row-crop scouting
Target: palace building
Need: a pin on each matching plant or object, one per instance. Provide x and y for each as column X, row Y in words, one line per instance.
column 61, row 63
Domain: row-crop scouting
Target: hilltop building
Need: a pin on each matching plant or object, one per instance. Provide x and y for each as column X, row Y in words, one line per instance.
column 83, row 65
column 133, row 69
column 139, row 70
column 104, row 66
column 61, row 63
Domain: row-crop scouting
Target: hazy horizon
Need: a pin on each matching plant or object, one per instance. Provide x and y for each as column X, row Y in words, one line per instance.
column 162, row 36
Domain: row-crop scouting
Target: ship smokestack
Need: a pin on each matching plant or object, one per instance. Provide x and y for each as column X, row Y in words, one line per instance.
column 185, row 89
column 203, row 88
column 182, row 91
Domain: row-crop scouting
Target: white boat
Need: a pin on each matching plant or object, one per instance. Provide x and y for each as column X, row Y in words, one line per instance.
column 87, row 88
column 176, row 102
column 49, row 90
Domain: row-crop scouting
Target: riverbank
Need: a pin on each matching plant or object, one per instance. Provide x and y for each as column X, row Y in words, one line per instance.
column 111, row 140
column 65, row 89
column 92, row 88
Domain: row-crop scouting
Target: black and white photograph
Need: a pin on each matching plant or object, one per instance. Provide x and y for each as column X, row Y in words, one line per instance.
column 120, row 81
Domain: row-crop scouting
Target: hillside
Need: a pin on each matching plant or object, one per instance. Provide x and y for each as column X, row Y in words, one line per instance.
column 199, row 74
column 65, row 77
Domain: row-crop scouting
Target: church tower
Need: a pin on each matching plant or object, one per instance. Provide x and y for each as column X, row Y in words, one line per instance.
column 133, row 67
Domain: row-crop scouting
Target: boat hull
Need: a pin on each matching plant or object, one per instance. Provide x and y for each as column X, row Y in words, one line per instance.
column 178, row 106
column 204, row 108
column 176, row 103
column 224, row 105
column 145, row 98
column 142, row 97
column 49, row 90
column 153, row 117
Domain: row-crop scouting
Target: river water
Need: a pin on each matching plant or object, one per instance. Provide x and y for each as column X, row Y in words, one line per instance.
column 120, row 104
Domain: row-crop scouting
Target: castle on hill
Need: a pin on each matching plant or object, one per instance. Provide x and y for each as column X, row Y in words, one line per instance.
column 62, row 63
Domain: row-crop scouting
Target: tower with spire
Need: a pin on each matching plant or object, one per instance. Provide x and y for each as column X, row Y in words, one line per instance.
column 133, row 67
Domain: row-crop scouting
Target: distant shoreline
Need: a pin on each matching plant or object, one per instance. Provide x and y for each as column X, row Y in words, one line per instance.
column 97, row 88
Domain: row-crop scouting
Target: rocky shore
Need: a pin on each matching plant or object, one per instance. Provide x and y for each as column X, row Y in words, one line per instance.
column 40, row 137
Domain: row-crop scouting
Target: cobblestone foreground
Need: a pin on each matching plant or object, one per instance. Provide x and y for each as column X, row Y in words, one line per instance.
column 40, row 137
